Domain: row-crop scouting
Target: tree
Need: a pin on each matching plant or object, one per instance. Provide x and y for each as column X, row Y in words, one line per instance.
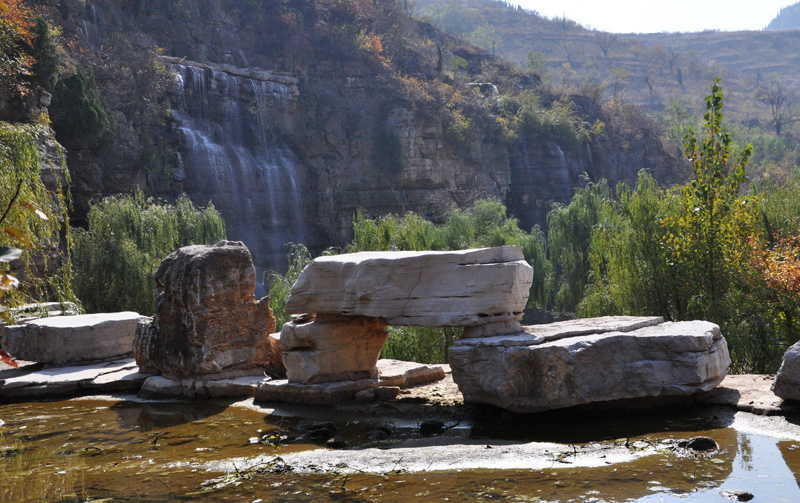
column 711, row 236
column 780, row 101
column 536, row 61
column 45, row 52
column 15, row 35
column 606, row 41
column 128, row 236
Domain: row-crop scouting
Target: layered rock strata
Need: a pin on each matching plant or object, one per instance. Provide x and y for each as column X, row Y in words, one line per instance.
column 431, row 289
column 347, row 301
column 72, row 340
column 593, row 360
column 207, row 321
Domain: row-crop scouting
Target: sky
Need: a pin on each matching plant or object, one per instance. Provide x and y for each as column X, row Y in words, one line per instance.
column 643, row 16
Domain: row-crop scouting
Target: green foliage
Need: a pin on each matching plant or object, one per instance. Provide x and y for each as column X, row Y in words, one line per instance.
column 128, row 236
column 708, row 239
column 569, row 233
column 629, row 272
column 420, row 344
column 280, row 285
column 24, row 193
column 45, row 52
column 81, row 116
column 560, row 119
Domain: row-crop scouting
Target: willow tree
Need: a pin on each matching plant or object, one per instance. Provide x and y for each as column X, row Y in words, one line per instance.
column 127, row 238
column 34, row 215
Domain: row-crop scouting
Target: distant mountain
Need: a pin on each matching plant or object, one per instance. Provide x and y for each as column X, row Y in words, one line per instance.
column 787, row 19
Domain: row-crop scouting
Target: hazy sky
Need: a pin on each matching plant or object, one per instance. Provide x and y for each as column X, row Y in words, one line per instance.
column 642, row 16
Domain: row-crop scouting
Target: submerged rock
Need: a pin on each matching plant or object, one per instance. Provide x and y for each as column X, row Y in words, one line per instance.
column 207, row 321
column 592, row 360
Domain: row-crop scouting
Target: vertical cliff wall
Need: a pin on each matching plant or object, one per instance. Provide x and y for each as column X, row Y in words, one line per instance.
column 288, row 133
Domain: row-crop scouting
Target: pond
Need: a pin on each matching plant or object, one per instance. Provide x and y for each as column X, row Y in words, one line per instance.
column 118, row 449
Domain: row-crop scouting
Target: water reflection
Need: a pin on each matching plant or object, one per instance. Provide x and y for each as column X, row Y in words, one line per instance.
column 84, row 450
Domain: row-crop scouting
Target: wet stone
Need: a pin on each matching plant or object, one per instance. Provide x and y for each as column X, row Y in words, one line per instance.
column 737, row 495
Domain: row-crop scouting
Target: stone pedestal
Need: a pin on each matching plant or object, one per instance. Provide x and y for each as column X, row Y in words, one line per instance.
column 330, row 348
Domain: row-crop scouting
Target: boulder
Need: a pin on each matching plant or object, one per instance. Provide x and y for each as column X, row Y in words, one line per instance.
column 570, row 363
column 207, row 321
column 332, row 347
column 72, row 340
column 787, row 382
column 465, row 288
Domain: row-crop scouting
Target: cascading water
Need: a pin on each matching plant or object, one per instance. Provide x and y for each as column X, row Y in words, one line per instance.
column 230, row 156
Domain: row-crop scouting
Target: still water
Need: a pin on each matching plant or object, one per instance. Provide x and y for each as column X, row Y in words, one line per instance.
column 119, row 450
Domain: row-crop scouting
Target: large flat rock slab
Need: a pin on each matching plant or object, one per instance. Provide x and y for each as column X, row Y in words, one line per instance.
column 72, row 340
column 57, row 382
column 560, row 366
column 464, row 288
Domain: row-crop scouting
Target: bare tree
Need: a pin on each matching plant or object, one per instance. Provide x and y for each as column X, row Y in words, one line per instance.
column 649, row 77
column 606, row 41
column 780, row 101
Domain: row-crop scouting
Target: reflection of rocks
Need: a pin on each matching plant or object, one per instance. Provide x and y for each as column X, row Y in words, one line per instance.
column 151, row 416
column 207, row 321
column 72, row 340
column 787, row 382
column 573, row 363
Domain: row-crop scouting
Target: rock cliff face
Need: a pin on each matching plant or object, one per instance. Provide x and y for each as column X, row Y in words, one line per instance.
column 288, row 153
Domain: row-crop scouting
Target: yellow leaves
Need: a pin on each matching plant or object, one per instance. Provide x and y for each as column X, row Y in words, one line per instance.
column 19, row 236
column 8, row 282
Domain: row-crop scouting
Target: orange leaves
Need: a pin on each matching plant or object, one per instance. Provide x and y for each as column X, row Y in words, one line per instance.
column 17, row 17
column 7, row 359
column 779, row 266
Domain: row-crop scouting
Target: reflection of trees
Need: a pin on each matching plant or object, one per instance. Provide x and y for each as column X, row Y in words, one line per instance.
column 746, row 449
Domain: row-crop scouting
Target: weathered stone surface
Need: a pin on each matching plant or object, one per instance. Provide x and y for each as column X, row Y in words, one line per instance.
column 317, row 394
column 392, row 374
column 433, row 289
column 159, row 387
column 561, row 366
column 404, row 374
column 117, row 376
column 332, row 348
column 787, row 382
column 72, row 340
column 207, row 321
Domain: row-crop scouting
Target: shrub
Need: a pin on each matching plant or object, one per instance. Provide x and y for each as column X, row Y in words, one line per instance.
column 127, row 238
column 80, row 113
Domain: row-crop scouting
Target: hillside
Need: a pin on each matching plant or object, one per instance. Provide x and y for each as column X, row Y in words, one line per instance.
column 662, row 73
column 787, row 19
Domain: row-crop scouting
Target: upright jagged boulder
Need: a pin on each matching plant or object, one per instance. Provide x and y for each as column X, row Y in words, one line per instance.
column 207, row 323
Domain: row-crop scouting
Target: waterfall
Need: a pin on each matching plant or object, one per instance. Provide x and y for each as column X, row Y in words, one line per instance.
column 229, row 155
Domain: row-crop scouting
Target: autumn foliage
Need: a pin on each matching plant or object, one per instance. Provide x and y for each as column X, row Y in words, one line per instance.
column 16, row 25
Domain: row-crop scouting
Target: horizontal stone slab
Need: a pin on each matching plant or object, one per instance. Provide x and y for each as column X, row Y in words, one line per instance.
column 531, row 373
column 72, row 340
column 58, row 382
column 452, row 288
column 391, row 373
